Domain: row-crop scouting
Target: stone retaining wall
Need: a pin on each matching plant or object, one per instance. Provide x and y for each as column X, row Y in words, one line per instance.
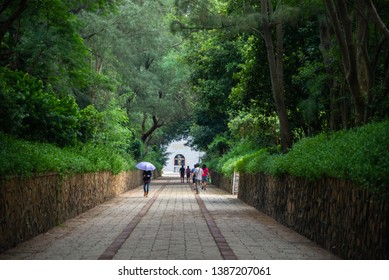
column 221, row 181
column 30, row 206
column 345, row 219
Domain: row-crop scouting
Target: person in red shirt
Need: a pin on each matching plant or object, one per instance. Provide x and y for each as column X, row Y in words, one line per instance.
column 205, row 177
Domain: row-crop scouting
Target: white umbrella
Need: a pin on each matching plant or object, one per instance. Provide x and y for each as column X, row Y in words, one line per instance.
column 144, row 165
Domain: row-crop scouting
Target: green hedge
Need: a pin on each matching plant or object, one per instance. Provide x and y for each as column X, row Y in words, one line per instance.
column 21, row 157
column 360, row 155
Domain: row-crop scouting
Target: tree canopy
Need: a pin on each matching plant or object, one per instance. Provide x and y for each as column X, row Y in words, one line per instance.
column 116, row 62
column 134, row 75
column 299, row 68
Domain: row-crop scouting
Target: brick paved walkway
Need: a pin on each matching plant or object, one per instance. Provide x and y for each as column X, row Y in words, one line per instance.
column 172, row 223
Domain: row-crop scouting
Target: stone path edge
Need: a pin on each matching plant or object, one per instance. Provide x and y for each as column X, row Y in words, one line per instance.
column 112, row 249
column 224, row 248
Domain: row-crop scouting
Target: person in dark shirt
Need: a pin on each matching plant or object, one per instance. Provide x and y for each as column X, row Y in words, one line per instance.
column 146, row 182
column 187, row 171
column 182, row 173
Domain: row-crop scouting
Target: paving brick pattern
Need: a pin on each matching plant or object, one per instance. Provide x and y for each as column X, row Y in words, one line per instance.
column 172, row 223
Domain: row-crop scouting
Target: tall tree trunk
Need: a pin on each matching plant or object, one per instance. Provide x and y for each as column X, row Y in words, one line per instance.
column 276, row 73
column 376, row 19
column 373, row 15
column 354, row 64
column 386, row 70
column 363, row 59
column 345, row 105
column 332, row 85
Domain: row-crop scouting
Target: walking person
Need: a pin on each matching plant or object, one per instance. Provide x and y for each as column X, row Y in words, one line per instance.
column 187, row 171
column 182, row 173
column 204, row 177
column 193, row 177
column 146, row 182
column 198, row 172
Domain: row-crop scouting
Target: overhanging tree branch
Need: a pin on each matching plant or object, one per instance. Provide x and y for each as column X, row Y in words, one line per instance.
column 4, row 27
column 150, row 131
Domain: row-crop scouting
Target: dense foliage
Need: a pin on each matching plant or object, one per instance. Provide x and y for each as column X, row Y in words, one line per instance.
column 293, row 70
column 358, row 155
column 307, row 74
column 95, row 75
column 29, row 110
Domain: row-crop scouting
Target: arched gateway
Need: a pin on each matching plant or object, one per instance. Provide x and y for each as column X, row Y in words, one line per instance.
column 179, row 154
column 179, row 160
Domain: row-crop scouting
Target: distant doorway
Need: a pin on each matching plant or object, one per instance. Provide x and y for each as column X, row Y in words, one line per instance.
column 179, row 160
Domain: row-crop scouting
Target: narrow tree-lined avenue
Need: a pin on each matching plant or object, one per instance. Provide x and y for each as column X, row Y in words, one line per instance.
column 281, row 88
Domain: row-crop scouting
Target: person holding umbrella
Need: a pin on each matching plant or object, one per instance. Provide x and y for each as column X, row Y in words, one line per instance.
column 146, row 182
column 147, row 167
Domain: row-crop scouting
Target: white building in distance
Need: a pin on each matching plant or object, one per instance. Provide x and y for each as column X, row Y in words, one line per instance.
column 179, row 155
